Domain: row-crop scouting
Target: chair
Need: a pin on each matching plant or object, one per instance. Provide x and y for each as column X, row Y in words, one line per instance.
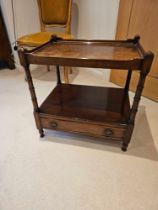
column 52, row 13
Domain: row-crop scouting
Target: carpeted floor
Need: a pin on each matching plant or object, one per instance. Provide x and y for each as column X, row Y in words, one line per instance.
column 66, row 171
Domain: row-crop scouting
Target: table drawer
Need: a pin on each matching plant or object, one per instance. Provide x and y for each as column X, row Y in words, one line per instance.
column 102, row 131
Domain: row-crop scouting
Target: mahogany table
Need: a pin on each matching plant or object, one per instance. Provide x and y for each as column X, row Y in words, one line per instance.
column 103, row 112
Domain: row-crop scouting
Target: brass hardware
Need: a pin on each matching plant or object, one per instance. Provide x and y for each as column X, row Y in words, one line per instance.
column 53, row 125
column 108, row 132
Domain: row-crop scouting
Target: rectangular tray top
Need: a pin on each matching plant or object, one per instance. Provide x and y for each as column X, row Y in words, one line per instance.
column 88, row 103
column 105, row 54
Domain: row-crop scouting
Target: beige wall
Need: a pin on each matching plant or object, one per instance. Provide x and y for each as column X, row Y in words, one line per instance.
column 95, row 19
column 26, row 16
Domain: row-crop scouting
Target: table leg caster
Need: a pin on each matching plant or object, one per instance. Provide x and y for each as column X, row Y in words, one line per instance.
column 124, row 147
column 41, row 133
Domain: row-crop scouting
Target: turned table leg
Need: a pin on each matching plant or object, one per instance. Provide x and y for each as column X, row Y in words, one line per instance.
column 144, row 71
column 66, row 72
column 58, row 74
column 32, row 92
column 134, row 108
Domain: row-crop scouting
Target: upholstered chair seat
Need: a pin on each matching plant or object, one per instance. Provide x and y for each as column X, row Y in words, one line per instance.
column 52, row 13
column 36, row 39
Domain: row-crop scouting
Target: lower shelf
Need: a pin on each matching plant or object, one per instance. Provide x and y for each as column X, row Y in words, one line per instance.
column 88, row 103
column 94, row 111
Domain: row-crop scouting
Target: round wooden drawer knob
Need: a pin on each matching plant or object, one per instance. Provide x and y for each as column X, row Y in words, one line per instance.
column 53, row 125
column 108, row 132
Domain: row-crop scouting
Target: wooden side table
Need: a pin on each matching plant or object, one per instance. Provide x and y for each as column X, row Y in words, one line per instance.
column 95, row 111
